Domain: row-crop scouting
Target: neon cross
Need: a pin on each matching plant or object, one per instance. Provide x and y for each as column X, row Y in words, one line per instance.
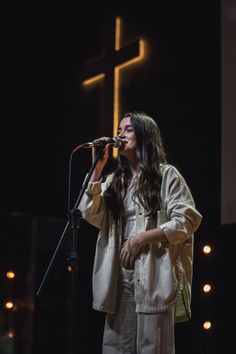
column 109, row 69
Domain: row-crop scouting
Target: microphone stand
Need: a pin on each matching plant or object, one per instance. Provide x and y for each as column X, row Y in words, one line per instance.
column 74, row 221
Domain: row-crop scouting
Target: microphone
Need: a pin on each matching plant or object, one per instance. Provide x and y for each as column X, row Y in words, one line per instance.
column 115, row 142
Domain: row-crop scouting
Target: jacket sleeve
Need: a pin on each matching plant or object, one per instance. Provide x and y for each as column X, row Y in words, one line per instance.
column 177, row 201
column 92, row 205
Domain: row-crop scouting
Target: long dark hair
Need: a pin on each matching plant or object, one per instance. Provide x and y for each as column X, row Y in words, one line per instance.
column 151, row 155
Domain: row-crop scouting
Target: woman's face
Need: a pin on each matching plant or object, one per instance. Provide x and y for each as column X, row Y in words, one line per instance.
column 127, row 135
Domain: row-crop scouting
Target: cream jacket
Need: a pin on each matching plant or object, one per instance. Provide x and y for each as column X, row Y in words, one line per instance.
column 163, row 273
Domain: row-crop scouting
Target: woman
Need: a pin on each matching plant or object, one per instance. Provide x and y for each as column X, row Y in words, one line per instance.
column 143, row 262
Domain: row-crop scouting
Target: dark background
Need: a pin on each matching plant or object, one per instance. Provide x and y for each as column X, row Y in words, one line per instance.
column 45, row 113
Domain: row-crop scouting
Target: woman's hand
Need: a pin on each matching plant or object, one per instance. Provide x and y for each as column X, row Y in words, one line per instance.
column 129, row 251
column 101, row 161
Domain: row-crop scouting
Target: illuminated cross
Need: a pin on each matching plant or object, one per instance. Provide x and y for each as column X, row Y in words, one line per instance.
column 108, row 69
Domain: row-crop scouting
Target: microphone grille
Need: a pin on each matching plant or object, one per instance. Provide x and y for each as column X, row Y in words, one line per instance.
column 118, row 142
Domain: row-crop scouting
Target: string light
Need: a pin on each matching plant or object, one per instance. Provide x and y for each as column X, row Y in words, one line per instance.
column 9, row 305
column 10, row 334
column 10, row 274
column 207, row 325
column 206, row 288
column 207, row 249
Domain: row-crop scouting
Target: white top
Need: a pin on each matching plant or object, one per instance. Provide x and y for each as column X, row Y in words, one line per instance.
column 129, row 219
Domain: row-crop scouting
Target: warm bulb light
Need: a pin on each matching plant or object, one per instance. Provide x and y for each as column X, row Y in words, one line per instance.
column 10, row 275
column 10, row 334
column 207, row 249
column 207, row 325
column 207, row 288
column 9, row 305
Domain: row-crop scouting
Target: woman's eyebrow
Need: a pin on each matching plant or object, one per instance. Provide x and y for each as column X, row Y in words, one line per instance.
column 126, row 126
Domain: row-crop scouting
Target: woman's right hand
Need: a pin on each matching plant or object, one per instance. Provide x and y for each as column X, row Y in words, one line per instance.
column 101, row 161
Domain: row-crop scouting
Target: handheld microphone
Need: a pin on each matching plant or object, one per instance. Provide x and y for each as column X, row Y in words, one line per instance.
column 115, row 142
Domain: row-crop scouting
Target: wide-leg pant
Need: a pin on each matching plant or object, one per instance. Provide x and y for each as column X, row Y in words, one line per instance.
column 128, row 332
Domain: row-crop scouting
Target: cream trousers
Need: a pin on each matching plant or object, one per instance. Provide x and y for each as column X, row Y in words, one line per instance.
column 128, row 332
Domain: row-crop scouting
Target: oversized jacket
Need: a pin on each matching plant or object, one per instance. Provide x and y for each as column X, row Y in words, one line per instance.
column 163, row 272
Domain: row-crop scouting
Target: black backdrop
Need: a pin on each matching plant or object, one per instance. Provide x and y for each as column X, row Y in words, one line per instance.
column 45, row 114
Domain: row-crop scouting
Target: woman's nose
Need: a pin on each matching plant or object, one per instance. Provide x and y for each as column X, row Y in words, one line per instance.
column 121, row 134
